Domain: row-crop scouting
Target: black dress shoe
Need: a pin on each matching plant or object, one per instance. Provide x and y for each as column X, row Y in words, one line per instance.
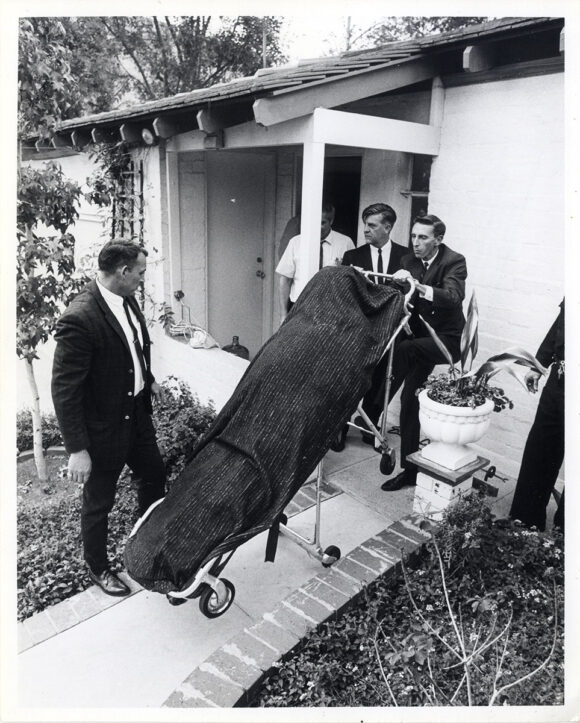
column 403, row 479
column 339, row 442
column 110, row 583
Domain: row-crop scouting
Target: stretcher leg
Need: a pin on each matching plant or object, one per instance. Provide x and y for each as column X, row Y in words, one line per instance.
column 313, row 547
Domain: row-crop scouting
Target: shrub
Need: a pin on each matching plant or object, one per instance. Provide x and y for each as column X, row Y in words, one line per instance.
column 50, row 564
column 179, row 423
column 51, row 436
column 399, row 645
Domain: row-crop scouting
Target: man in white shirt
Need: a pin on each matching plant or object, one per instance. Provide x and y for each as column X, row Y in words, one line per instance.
column 291, row 270
column 102, row 386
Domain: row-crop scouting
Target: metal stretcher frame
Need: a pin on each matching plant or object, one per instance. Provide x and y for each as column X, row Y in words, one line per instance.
column 313, row 546
column 216, row 594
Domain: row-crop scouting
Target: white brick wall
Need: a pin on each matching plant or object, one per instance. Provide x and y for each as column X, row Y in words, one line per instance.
column 498, row 183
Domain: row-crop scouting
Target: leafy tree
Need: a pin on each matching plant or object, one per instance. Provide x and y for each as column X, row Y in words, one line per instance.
column 73, row 66
column 45, row 279
column 169, row 55
column 65, row 69
column 389, row 29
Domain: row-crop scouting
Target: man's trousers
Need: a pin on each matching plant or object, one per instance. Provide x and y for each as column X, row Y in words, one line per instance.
column 145, row 461
column 542, row 459
column 413, row 361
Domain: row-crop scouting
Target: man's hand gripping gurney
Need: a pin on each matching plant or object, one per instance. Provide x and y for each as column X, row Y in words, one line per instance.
column 298, row 392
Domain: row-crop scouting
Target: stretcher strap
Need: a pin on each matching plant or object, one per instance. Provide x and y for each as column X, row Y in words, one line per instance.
column 272, row 541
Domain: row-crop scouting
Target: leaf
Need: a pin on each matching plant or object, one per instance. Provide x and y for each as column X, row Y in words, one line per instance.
column 440, row 345
column 469, row 335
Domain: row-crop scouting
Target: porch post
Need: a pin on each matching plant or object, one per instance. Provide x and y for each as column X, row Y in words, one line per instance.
column 312, row 177
column 174, row 230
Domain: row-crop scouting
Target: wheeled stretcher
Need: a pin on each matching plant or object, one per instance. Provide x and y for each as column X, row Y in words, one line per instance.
column 299, row 391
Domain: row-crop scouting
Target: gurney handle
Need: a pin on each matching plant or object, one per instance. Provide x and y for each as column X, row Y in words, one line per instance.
column 390, row 277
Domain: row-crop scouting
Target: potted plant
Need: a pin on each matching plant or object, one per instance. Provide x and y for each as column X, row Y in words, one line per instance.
column 455, row 407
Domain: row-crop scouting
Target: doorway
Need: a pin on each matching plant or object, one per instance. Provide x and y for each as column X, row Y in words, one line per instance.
column 341, row 187
column 238, row 223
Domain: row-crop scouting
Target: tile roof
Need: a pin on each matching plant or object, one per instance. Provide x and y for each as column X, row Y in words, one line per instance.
column 298, row 75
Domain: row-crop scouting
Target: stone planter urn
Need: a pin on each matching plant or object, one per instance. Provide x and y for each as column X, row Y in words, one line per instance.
column 451, row 429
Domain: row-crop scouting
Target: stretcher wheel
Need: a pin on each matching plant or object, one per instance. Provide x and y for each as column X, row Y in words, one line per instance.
column 388, row 462
column 214, row 603
column 330, row 556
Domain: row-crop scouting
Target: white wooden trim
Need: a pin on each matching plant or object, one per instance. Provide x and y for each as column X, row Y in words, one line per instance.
column 363, row 131
column 312, row 175
column 190, row 141
column 437, row 102
column 252, row 135
column 329, row 93
column 478, row 57
column 174, row 247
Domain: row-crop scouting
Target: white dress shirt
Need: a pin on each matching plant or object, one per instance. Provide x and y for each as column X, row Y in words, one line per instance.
column 291, row 264
column 115, row 304
column 385, row 253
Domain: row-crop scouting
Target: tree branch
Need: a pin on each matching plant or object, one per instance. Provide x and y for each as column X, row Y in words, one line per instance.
column 122, row 39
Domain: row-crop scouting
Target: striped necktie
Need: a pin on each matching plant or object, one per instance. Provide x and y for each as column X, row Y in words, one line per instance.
column 136, row 341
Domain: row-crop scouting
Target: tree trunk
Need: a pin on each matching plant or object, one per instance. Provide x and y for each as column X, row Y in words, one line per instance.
column 39, row 459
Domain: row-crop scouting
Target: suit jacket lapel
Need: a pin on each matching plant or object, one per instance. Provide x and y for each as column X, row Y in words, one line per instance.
column 109, row 316
column 368, row 259
column 432, row 270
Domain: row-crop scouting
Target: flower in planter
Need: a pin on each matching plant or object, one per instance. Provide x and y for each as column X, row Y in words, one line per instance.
column 467, row 388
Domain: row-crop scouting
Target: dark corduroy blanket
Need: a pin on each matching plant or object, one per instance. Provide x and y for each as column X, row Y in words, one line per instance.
column 293, row 400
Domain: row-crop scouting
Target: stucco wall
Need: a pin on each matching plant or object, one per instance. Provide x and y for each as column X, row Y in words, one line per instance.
column 498, row 183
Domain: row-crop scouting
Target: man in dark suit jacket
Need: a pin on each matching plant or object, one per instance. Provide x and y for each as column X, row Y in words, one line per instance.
column 544, row 450
column 101, row 388
column 382, row 255
column 440, row 275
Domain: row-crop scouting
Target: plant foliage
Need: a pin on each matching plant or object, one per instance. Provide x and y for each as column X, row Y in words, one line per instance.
column 179, row 423
column 398, row 644
column 51, row 436
column 45, row 278
column 50, row 562
column 466, row 388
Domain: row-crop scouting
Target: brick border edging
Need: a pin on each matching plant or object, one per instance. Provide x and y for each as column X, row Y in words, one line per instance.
column 231, row 674
column 66, row 614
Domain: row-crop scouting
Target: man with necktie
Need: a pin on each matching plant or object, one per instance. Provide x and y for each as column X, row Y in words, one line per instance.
column 379, row 254
column 290, row 268
column 440, row 275
column 102, row 386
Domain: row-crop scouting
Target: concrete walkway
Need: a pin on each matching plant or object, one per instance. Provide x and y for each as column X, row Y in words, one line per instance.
column 136, row 651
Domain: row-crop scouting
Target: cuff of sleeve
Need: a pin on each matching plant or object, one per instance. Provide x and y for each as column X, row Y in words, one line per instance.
column 428, row 295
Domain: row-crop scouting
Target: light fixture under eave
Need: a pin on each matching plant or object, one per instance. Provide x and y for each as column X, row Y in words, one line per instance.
column 148, row 137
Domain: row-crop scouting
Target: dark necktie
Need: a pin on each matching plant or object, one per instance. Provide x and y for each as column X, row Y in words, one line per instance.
column 320, row 258
column 136, row 341
column 380, row 279
column 424, row 271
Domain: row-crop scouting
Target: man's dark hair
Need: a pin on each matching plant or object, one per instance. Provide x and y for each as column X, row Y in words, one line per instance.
column 429, row 219
column 388, row 214
column 328, row 207
column 119, row 253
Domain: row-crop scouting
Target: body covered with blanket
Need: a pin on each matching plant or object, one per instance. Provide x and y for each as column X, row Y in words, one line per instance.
column 294, row 398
